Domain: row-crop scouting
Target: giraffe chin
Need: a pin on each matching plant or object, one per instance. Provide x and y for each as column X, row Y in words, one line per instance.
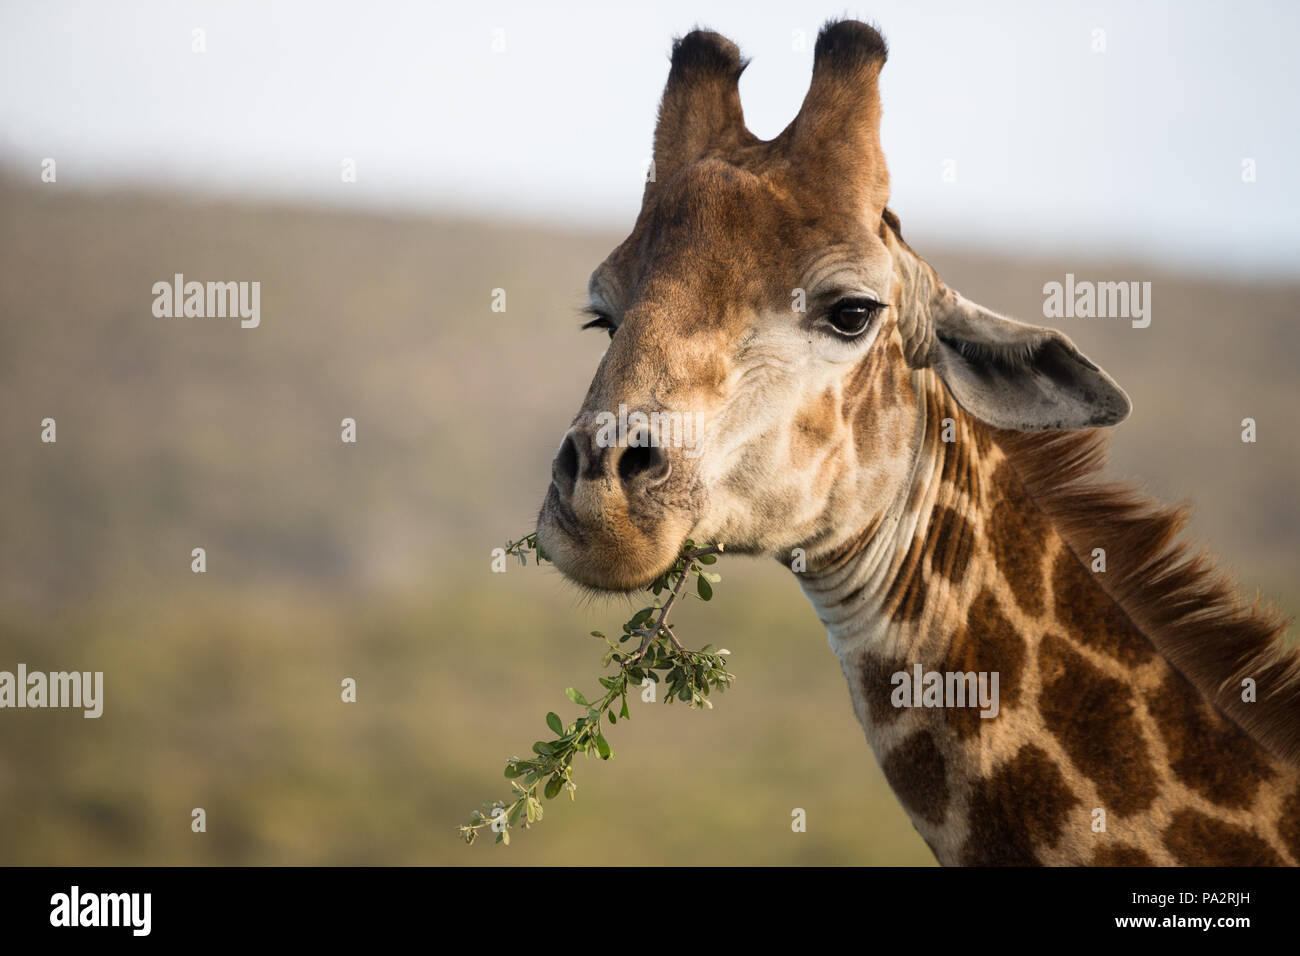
column 601, row 561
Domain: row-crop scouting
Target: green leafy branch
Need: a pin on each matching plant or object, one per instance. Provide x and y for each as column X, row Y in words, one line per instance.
column 688, row 676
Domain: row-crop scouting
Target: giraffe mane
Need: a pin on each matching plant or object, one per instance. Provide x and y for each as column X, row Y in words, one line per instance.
column 1187, row 607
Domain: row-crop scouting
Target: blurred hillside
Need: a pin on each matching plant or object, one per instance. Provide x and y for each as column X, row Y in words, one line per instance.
column 328, row 560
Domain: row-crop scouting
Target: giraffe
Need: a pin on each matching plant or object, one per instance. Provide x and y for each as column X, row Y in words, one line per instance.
column 936, row 466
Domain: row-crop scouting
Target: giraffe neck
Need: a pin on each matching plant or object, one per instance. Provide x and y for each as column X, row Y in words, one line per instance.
column 1096, row 750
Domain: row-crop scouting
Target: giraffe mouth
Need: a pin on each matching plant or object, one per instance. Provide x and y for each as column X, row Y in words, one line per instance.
column 613, row 551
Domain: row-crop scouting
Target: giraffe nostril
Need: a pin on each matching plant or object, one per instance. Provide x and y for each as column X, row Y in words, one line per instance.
column 564, row 470
column 642, row 464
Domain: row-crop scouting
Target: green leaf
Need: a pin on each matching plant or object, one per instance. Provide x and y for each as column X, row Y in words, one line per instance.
column 707, row 558
column 602, row 745
column 576, row 697
column 553, row 787
column 705, row 589
column 553, row 721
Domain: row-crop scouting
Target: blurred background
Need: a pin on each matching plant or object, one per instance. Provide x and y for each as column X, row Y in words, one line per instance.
column 503, row 146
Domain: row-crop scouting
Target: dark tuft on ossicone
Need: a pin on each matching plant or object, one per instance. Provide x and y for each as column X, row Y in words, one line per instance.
column 850, row 45
column 705, row 53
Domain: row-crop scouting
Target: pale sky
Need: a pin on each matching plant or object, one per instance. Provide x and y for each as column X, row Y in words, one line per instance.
column 1135, row 150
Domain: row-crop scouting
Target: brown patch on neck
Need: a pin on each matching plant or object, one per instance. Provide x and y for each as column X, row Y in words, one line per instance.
column 1211, row 755
column 1197, row 840
column 1121, row 854
column 877, row 677
column 1288, row 827
column 1091, row 617
column 917, row 773
column 1022, row 806
column 951, row 543
column 1185, row 607
column 987, row 643
column 1093, row 716
column 1016, row 532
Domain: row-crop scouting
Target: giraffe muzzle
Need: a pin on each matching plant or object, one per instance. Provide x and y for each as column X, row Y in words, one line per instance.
column 615, row 513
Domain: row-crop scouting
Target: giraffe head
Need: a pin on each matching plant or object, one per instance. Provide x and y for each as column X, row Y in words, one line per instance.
column 766, row 321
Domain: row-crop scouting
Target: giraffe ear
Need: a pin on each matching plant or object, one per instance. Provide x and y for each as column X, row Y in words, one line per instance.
column 1017, row 376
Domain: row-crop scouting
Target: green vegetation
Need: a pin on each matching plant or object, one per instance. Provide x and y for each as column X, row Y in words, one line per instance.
column 659, row 657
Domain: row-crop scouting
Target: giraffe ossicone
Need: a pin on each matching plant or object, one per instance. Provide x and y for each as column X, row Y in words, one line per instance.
column 934, row 467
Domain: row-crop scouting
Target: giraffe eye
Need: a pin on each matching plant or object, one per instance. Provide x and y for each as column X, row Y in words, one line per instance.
column 853, row 316
column 600, row 321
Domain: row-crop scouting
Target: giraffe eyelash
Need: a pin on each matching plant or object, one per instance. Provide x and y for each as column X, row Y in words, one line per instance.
column 599, row 320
